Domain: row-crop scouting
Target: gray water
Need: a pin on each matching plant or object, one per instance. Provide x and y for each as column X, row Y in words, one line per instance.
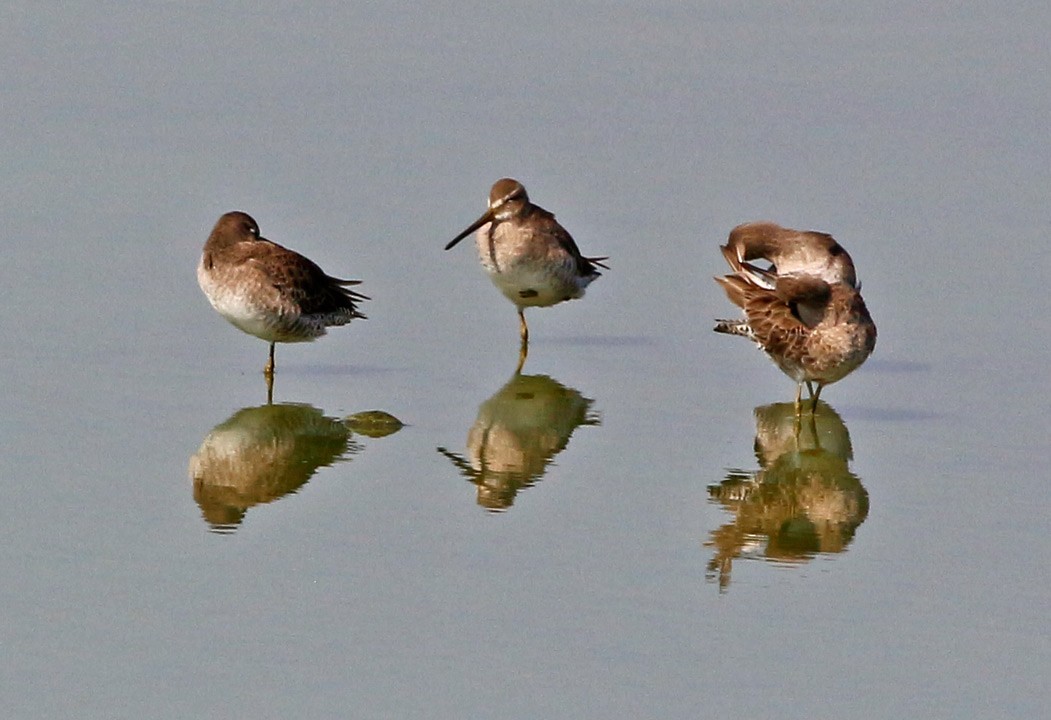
column 173, row 548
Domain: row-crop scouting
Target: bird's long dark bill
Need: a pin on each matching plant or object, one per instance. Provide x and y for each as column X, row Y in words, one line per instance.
column 486, row 217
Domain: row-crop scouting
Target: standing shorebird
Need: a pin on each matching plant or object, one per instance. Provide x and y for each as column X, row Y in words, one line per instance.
column 530, row 258
column 805, row 311
column 269, row 291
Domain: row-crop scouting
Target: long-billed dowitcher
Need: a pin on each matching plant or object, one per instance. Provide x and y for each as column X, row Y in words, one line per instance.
column 806, row 311
column 269, row 291
column 530, row 258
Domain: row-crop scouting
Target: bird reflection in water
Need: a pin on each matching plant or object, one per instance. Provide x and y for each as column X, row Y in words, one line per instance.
column 261, row 454
column 517, row 434
column 801, row 502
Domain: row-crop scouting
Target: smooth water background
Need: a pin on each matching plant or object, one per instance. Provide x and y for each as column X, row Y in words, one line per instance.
column 381, row 588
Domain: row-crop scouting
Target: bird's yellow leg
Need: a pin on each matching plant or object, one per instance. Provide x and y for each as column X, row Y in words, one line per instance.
column 269, row 369
column 523, row 329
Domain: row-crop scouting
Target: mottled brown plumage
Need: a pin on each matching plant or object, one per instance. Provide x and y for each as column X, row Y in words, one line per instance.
column 814, row 327
column 269, row 291
column 528, row 255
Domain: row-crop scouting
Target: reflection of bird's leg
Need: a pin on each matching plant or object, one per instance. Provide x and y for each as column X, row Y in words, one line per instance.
column 523, row 330
column 269, row 369
column 720, row 567
column 269, row 388
column 523, row 351
column 813, row 408
column 813, row 430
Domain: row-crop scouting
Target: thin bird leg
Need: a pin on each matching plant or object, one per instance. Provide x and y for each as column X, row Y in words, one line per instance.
column 799, row 392
column 810, row 388
column 269, row 389
column 269, row 369
column 523, row 329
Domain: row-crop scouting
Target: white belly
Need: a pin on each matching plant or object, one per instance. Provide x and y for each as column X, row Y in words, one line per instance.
column 532, row 287
column 263, row 320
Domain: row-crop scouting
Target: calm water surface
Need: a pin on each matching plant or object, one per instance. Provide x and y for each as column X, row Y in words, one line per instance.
column 633, row 527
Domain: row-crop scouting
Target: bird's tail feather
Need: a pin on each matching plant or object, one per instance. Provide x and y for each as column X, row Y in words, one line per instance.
column 734, row 327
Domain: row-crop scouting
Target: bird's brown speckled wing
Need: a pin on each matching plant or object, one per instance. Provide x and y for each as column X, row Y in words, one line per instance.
column 807, row 298
column 302, row 282
column 545, row 222
column 753, row 273
column 783, row 316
